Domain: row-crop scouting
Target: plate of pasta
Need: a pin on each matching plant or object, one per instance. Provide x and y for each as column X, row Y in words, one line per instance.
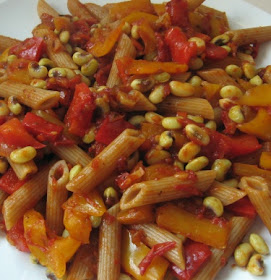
column 134, row 140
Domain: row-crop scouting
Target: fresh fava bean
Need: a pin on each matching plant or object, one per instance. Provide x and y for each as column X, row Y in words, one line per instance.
column 181, row 89
column 152, row 117
column 236, row 115
column 23, row 155
column 221, row 167
column 230, row 91
column 171, row 123
column 197, row 134
column 111, row 196
column 75, row 171
column 234, row 71
column 188, row 151
column 258, row 243
column 214, row 204
column 165, row 139
column 95, row 221
column 197, row 164
column 242, row 254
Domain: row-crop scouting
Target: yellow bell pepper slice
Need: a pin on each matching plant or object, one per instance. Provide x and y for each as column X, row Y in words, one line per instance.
column 260, row 126
column 203, row 230
column 265, row 160
column 257, row 96
column 132, row 255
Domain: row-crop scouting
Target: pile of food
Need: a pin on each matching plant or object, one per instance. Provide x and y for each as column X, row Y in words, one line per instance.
column 135, row 141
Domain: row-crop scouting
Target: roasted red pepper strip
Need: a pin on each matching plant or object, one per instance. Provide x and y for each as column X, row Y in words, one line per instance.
column 178, row 12
column 110, row 129
column 242, row 207
column 157, row 250
column 181, row 50
column 16, row 237
column 79, row 115
column 10, row 183
column 214, row 52
column 221, row 146
column 196, row 254
column 31, row 48
column 42, row 129
column 14, row 135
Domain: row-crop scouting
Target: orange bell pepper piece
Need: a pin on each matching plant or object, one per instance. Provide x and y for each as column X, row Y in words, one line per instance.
column 137, row 67
column 132, row 255
column 260, row 126
column 265, row 160
column 243, row 169
column 78, row 225
column 54, row 252
column 138, row 215
column 257, row 96
column 202, row 230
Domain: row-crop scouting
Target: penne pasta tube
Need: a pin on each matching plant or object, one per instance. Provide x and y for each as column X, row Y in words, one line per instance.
column 242, row 169
column 155, row 235
column 44, row 8
column 227, row 195
column 35, row 98
column 3, row 196
column 23, row 170
column 217, row 76
column 166, row 189
column 105, row 163
column 125, row 47
column 55, row 50
column 72, row 154
column 250, row 35
column 78, row 9
column 97, row 11
column 25, row 197
column 240, row 226
column 258, row 192
column 193, row 4
column 133, row 101
column 7, row 42
column 190, row 105
column 223, row 63
column 109, row 246
column 57, row 194
column 81, row 267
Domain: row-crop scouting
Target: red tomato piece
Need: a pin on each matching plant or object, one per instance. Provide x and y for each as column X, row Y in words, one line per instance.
column 181, row 50
column 214, row 52
column 42, row 129
column 230, row 126
column 156, row 250
column 111, row 129
column 16, row 237
column 10, row 183
column 221, row 146
column 163, row 52
column 196, row 254
column 79, row 115
column 31, row 48
column 242, row 207
column 178, row 12
column 14, row 135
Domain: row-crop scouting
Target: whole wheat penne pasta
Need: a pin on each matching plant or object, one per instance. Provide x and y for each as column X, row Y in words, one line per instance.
column 57, row 194
column 155, row 235
column 81, row 267
column 105, row 163
column 35, row 98
column 44, row 8
column 72, row 154
column 227, row 195
column 193, row 4
column 7, row 42
column 55, row 50
column 240, row 226
column 97, row 11
column 258, row 192
column 166, row 189
column 25, row 197
column 242, row 169
column 133, row 101
column 217, row 76
column 109, row 246
column 190, row 105
column 250, row 35
column 125, row 47
column 78, row 9
column 3, row 196
column 23, row 170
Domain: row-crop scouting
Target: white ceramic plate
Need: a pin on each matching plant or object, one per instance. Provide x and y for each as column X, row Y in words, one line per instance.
column 18, row 17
